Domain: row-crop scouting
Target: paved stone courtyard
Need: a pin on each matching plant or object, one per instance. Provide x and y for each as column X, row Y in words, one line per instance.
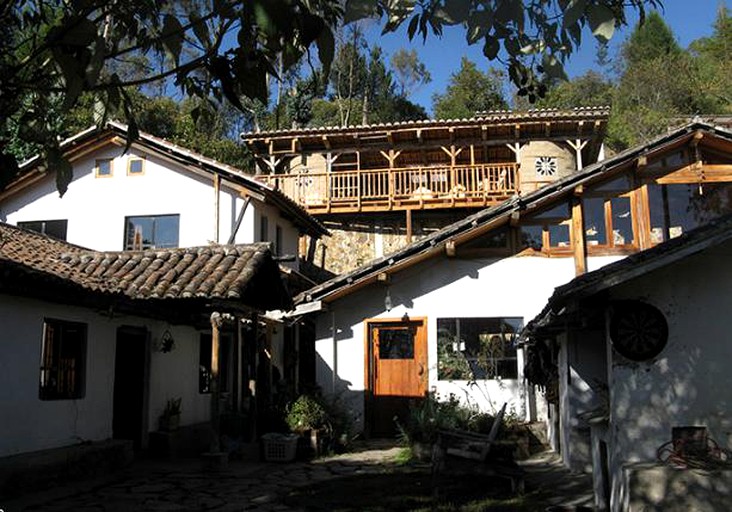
column 185, row 486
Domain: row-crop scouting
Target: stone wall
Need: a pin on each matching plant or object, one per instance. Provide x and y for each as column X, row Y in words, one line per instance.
column 358, row 239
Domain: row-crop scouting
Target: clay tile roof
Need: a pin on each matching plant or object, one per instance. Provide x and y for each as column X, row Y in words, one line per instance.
column 244, row 273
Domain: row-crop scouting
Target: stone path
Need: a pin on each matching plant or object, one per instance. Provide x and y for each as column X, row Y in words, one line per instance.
column 184, row 486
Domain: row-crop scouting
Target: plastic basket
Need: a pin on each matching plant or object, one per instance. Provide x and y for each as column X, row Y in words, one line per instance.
column 279, row 447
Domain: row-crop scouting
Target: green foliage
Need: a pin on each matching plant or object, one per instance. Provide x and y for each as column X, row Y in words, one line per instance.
column 587, row 90
column 306, row 413
column 426, row 417
column 409, row 70
column 52, row 53
column 650, row 40
column 469, row 91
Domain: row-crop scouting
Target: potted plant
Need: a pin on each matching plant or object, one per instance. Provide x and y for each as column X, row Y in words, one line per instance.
column 170, row 418
column 307, row 417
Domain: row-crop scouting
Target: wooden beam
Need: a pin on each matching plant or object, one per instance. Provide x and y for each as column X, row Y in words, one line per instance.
column 217, row 208
column 514, row 219
column 409, row 226
column 326, row 142
column 641, row 162
column 450, row 250
column 698, row 136
column 578, row 238
column 383, row 277
column 216, row 322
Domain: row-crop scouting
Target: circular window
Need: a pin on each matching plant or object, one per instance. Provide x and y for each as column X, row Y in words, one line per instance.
column 638, row 330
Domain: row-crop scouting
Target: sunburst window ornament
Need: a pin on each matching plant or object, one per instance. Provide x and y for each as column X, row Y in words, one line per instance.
column 546, row 166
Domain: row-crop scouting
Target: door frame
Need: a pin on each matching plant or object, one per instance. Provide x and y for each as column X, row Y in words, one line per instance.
column 369, row 360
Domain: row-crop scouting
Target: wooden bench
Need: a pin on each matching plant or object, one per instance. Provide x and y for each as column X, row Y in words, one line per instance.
column 475, row 447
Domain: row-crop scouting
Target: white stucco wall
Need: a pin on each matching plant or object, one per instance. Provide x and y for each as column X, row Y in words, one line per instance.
column 96, row 207
column 688, row 383
column 29, row 424
column 439, row 288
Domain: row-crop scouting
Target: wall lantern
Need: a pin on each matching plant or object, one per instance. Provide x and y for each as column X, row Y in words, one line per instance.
column 167, row 342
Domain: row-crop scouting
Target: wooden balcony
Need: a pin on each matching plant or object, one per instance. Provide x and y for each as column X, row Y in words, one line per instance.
column 467, row 186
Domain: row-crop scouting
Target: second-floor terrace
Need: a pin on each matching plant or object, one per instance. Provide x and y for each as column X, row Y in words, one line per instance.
column 437, row 164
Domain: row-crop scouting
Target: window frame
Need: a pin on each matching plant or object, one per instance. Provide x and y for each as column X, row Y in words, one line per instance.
column 461, row 346
column 610, row 246
column 130, row 246
column 142, row 161
column 546, row 222
column 25, row 224
column 98, row 174
column 51, row 367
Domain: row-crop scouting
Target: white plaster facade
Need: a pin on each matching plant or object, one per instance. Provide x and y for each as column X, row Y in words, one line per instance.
column 31, row 424
column 442, row 287
column 96, row 207
column 684, row 386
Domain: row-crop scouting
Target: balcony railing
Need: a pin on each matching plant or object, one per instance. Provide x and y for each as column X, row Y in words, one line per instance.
column 398, row 189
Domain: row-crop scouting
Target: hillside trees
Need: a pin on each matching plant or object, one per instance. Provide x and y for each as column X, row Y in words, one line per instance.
column 469, row 91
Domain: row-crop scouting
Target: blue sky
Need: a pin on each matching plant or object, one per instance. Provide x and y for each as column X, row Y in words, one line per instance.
column 689, row 19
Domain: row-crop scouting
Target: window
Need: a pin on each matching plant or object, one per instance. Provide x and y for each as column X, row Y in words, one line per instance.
column 477, row 348
column 54, row 228
column 204, row 363
column 548, row 231
column 151, row 232
column 263, row 229
column 608, row 215
column 135, row 166
column 103, row 168
column 677, row 208
column 63, row 357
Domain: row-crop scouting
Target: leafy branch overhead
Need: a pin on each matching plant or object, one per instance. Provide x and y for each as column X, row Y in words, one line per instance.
column 54, row 53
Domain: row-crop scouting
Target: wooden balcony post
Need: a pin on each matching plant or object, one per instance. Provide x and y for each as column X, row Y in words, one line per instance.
column 409, row 226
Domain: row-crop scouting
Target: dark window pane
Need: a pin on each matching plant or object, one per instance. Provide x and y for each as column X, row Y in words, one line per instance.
column 396, row 343
column 54, row 228
column 104, row 168
column 559, row 235
column 560, row 211
column 531, row 237
column 593, row 209
column 477, row 348
column 63, row 356
column 137, row 166
column 622, row 221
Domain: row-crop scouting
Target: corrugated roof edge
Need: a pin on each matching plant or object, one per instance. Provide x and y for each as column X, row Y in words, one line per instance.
column 434, row 240
column 310, row 224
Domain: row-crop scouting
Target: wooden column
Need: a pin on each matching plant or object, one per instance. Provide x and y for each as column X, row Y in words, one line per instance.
column 578, row 236
column 409, row 226
column 217, row 197
column 216, row 322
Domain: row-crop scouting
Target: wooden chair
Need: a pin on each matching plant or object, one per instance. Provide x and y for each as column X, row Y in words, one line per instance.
column 474, row 447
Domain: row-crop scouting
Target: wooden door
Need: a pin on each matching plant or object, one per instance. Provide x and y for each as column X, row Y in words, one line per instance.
column 397, row 371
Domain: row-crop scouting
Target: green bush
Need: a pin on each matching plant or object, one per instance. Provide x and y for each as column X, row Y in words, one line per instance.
column 428, row 416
